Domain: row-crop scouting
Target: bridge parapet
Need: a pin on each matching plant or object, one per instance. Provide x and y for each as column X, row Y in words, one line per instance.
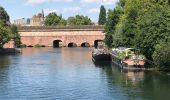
column 60, row 28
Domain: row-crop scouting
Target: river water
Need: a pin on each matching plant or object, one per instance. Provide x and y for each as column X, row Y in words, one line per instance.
column 70, row 74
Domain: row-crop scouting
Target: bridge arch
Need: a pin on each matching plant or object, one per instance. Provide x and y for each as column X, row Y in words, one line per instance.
column 57, row 43
column 85, row 44
column 97, row 42
column 72, row 44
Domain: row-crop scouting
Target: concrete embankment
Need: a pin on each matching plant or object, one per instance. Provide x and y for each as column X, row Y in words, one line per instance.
column 10, row 50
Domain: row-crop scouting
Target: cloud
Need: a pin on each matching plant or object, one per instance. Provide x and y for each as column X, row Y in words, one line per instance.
column 105, row 2
column 93, row 10
column 71, row 9
column 47, row 11
column 35, row 2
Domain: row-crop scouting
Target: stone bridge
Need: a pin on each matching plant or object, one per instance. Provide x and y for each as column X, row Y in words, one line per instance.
column 61, row 36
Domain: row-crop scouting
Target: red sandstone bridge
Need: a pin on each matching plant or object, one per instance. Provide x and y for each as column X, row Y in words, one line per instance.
column 61, row 36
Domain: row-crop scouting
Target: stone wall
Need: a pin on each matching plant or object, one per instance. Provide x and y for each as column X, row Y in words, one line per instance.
column 31, row 36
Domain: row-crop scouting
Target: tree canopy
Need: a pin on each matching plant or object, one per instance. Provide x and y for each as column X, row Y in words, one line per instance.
column 102, row 16
column 14, row 30
column 7, row 31
column 52, row 19
column 5, row 34
column 3, row 15
column 142, row 24
column 79, row 20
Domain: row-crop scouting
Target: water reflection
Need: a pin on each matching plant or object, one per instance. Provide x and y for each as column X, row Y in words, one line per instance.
column 134, row 77
column 69, row 73
column 140, row 85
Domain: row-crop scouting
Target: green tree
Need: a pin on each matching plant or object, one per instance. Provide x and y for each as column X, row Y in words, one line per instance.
column 154, row 26
column 161, row 55
column 3, row 15
column 5, row 34
column 102, row 16
column 52, row 19
column 5, row 31
column 79, row 20
column 16, row 35
column 143, row 24
column 71, row 21
column 112, row 20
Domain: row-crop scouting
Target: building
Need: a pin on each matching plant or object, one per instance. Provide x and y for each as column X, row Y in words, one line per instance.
column 22, row 22
column 37, row 20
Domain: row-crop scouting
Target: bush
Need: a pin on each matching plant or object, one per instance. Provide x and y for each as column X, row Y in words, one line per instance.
column 23, row 46
column 161, row 56
column 38, row 46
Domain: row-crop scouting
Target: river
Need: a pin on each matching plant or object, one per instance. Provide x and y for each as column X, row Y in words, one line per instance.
column 70, row 74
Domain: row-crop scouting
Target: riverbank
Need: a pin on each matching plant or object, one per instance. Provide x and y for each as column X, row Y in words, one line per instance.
column 10, row 50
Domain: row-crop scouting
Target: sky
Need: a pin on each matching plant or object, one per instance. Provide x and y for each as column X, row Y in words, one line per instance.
column 27, row 8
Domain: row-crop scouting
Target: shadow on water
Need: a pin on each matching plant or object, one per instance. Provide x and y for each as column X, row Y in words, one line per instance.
column 102, row 64
column 148, row 85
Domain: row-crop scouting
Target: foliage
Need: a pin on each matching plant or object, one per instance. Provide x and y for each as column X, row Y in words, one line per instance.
column 161, row 55
column 38, row 46
column 16, row 35
column 79, row 20
column 122, row 54
column 3, row 15
column 102, row 16
column 142, row 25
column 5, row 34
column 153, row 27
column 71, row 21
column 52, row 19
column 112, row 20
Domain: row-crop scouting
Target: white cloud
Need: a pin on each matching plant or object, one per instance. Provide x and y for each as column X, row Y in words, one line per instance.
column 93, row 10
column 34, row 2
column 71, row 9
column 106, row 2
column 90, row 1
column 47, row 11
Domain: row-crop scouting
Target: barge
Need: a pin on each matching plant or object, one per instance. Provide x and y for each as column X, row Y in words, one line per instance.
column 128, row 58
column 100, row 53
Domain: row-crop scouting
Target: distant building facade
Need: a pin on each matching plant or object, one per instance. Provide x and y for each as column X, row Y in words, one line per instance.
column 37, row 20
column 22, row 22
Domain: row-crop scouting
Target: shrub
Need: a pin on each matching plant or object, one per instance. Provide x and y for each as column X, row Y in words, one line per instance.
column 161, row 56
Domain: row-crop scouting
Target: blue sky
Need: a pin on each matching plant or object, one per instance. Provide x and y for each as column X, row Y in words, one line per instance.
column 27, row 8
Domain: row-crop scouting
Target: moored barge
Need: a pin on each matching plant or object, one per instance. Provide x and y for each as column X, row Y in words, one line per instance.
column 100, row 53
column 128, row 58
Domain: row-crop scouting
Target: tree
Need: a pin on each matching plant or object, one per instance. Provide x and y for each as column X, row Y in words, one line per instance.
column 153, row 27
column 161, row 55
column 79, row 20
column 71, row 21
column 102, row 16
column 52, row 19
column 3, row 15
column 5, row 34
column 16, row 35
column 5, row 31
column 112, row 20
